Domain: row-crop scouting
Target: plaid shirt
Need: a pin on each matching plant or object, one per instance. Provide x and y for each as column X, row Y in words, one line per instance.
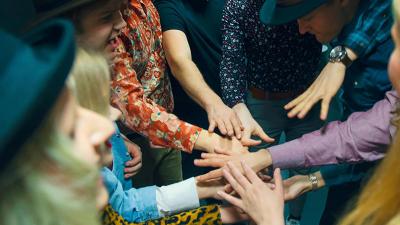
column 140, row 85
column 370, row 27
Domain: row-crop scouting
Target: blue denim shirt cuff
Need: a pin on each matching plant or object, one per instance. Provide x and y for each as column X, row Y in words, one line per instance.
column 134, row 205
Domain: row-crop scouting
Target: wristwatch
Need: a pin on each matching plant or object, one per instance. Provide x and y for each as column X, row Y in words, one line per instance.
column 314, row 181
column 339, row 54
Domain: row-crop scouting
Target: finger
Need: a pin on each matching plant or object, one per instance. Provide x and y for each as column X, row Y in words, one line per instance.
column 236, row 171
column 211, row 128
column 237, row 126
column 221, row 126
column 260, row 133
column 228, row 127
column 133, row 161
column 209, row 163
column 249, row 173
column 232, row 200
column 325, row 107
column 278, row 181
column 233, row 181
column 250, row 142
column 271, row 186
column 308, row 105
column 297, row 100
column 228, row 188
column 133, row 169
column 205, row 155
column 210, row 175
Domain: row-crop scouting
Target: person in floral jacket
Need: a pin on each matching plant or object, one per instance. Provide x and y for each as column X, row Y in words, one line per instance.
column 141, row 90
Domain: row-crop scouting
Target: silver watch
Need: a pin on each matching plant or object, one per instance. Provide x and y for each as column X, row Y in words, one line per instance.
column 339, row 54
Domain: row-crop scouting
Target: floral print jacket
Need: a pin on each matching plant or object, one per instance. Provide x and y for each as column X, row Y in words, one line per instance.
column 140, row 85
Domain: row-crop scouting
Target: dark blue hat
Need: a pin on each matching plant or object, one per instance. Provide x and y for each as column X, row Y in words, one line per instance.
column 276, row 12
column 33, row 71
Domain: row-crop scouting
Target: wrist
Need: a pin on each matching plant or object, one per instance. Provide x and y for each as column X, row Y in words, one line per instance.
column 211, row 100
column 351, row 54
column 262, row 159
column 206, row 141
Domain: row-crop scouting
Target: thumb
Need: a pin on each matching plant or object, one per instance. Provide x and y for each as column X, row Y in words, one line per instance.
column 260, row 133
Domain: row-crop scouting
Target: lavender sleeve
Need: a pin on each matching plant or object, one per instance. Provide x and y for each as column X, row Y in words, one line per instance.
column 364, row 136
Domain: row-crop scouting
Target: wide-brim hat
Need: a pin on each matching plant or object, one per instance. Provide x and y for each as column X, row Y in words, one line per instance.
column 33, row 70
column 275, row 12
column 46, row 9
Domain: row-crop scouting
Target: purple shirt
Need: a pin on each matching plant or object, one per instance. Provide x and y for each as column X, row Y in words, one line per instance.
column 364, row 136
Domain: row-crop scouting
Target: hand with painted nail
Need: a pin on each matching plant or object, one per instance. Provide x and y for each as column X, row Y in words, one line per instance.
column 132, row 167
column 262, row 202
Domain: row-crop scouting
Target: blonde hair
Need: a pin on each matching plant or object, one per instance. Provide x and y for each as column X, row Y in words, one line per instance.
column 379, row 202
column 47, row 184
column 90, row 82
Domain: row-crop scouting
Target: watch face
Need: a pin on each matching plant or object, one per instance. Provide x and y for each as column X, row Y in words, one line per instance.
column 337, row 54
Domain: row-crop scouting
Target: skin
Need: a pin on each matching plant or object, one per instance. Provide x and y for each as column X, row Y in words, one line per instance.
column 179, row 59
column 324, row 88
column 89, row 132
column 99, row 25
column 263, row 203
column 272, row 201
column 319, row 22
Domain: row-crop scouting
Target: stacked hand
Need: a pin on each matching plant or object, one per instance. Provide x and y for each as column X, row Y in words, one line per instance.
column 262, row 202
column 225, row 118
column 257, row 161
column 251, row 127
column 323, row 88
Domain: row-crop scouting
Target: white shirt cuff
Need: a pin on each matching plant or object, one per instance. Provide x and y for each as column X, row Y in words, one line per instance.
column 177, row 197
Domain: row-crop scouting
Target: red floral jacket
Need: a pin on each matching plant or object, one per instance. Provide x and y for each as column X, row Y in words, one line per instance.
column 140, row 85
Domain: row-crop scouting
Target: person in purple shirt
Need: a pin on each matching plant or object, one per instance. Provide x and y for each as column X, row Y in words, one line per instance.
column 364, row 136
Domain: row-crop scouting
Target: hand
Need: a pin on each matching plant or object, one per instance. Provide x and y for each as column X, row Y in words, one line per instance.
column 132, row 167
column 209, row 189
column 257, row 160
column 296, row 186
column 251, row 127
column 210, row 141
column 225, row 118
column 300, row 184
column 231, row 214
column 262, row 203
column 323, row 88
column 230, row 145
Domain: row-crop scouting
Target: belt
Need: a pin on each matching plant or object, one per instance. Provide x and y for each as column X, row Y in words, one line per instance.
column 266, row 95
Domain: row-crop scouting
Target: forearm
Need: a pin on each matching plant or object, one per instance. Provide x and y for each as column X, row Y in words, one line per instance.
column 191, row 79
column 363, row 137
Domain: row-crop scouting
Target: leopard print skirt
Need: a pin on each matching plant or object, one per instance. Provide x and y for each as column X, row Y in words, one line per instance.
column 208, row 215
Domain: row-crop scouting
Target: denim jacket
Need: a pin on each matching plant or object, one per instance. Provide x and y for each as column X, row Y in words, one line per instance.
column 134, row 205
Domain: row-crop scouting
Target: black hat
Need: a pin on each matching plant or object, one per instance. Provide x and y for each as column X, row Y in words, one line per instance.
column 33, row 71
column 276, row 12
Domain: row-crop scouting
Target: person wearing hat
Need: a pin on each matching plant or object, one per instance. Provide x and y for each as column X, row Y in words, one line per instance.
column 363, row 26
column 49, row 146
column 262, row 68
column 364, row 136
column 360, row 37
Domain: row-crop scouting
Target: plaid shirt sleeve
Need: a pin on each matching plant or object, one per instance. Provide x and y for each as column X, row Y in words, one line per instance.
column 372, row 27
column 141, row 114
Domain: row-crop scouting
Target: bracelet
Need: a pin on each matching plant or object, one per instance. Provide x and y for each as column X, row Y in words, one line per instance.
column 314, row 181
